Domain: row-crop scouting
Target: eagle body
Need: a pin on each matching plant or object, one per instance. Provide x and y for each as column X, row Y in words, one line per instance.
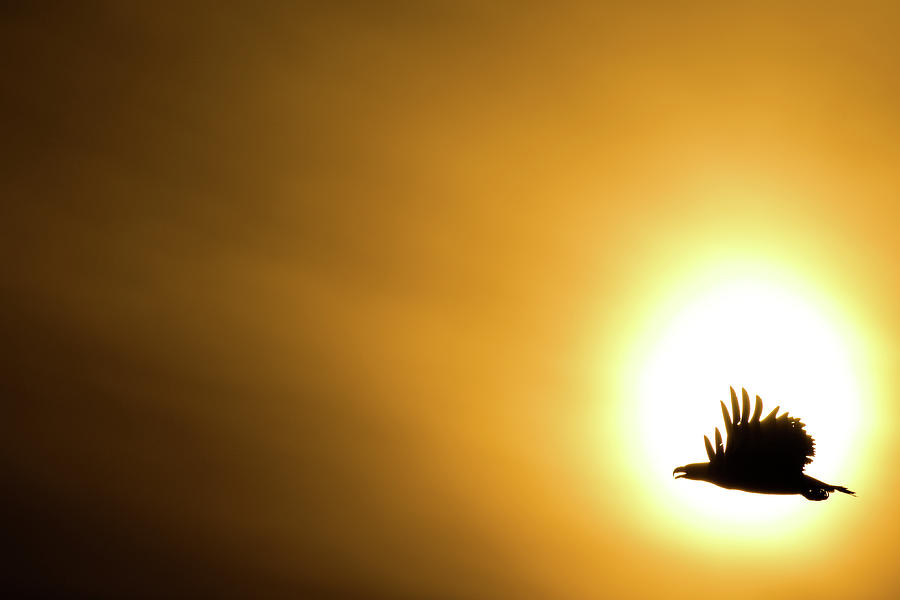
column 763, row 456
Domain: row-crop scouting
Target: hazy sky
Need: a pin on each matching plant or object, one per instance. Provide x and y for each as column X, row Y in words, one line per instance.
column 345, row 299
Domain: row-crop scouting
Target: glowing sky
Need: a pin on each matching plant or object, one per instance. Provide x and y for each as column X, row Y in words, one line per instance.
column 427, row 300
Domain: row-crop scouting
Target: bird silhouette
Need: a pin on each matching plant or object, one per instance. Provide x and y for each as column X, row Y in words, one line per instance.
column 761, row 456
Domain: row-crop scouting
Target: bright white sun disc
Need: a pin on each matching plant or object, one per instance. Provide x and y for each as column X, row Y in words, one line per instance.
column 775, row 343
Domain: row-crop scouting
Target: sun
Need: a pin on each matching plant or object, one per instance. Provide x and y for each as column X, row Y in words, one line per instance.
column 769, row 335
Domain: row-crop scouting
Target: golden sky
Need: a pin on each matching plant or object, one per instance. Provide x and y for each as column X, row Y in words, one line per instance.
column 427, row 299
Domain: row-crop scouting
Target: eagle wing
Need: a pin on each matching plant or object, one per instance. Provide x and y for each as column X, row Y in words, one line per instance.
column 776, row 442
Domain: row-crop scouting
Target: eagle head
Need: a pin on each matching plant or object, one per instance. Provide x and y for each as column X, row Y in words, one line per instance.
column 698, row 471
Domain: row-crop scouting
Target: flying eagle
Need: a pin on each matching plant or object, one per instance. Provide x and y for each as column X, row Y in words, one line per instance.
column 763, row 456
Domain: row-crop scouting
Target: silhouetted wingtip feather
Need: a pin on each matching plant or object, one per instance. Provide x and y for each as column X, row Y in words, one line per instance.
column 745, row 408
column 735, row 410
column 709, row 449
column 720, row 451
column 727, row 418
column 771, row 415
column 757, row 410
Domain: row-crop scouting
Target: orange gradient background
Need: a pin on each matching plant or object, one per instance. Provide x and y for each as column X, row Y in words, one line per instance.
column 427, row 300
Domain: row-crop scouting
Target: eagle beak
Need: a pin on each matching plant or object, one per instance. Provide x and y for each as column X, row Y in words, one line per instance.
column 681, row 470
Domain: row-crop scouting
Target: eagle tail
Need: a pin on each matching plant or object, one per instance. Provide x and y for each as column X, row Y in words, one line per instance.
column 841, row 488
